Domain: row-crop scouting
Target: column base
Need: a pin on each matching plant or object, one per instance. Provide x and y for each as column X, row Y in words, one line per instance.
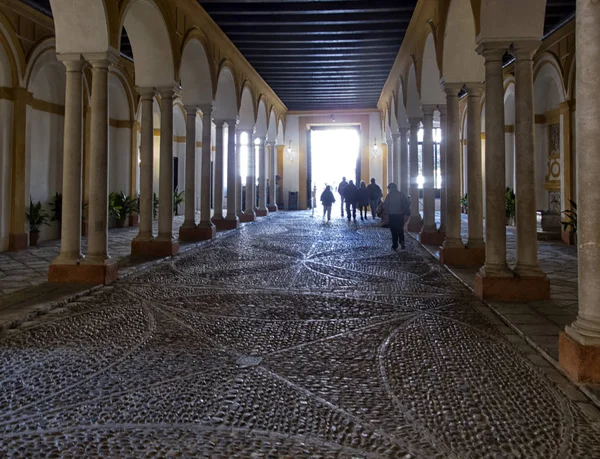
column 84, row 273
column 580, row 362
column 155, row 248
column 228, row 224
column 432, row 237
column 199, row 233
column 512, row 288
column 18, row 241
column 272, row 208
column 262, row 212
column 246, row 218
column 462, row 256
column 415, row 224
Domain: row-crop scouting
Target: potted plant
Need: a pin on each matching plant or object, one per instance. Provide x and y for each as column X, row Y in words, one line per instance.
column 570, row 224
column 36, row 218
column 120, row 206
column 550, row 221
column 464, row 204
column 114, row 209
column 177, row 200
column 56, row 209
column 510, row 206
column 135, row 211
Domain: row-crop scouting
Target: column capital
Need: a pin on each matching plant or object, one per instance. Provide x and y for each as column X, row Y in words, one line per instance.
column 206, row 109
column 493, row 50
column 72, row 62
column 271, row 142
column 145, row 92
column 404, row 130
column 524, row 49
column 428, row 109
column 452, row 89
column 232, row 122
column 103, row 59
column 219, row 123
column 167, row 92
column 396, row 136
column 414, row 122
column 475, row 89
column 443, row 109
column 191, row 109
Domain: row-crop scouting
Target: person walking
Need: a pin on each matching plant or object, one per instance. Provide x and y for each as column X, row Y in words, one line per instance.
column 397, row 206
column 327, row 199
column 351, row 196
column 375, row 195
column 341, row 189
column 362, row 198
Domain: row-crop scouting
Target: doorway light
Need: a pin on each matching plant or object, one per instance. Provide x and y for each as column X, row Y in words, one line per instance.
column 290, row 153
column 375, row 149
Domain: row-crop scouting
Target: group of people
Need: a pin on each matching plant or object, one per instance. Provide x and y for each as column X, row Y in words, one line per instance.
column 394, row 209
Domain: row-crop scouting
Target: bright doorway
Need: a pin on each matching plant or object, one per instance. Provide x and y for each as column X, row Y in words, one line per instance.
column 334, row 153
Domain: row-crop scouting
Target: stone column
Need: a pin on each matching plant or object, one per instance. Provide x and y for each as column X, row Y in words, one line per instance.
column 453, row 247
column 474, row 172
column 232, row 220
column 489, row 282
column 98, row 265
column 70, row 244
column 429, row 226
column 443, row 166
column 262, row 179
column 17, row 238
column 189, row 221
column 205, row 226
column 141, row 245
column 164, row 244
column 415, row 223
column 238, row 173
column 527, row 261
column 396, row 159
column 403, row 176
column 218, row 174
column 579, row 347
column 272, row 177
column 390, row 161
column 249, row 214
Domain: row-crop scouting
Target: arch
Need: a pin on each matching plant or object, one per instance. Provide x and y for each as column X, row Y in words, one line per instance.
column 431, row 90
column 246, row 113
column 261, row 119
column 195, row 74
column 45, row 75
column 548, row 86
column 460, row 62
column 154, row 59
column 272, row 130
column 81, row 26
column 393, row 121
column 226, row 96
column 401, row 115
column 280, row 132
column 511, row 20
column 13, row 57
column 119, row 133
column 413, row 102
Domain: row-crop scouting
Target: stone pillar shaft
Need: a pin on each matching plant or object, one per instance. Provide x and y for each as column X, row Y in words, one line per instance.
column 98, row 187
column 272, row 177
column 527, row 262
column 205, row 183
column 495, row 225
column 415, row 221
column 262, row 176
column 190, row 167
column 452, row 178
column 165, row 185
column 232, row 171
column 428, row 171
column 390, row 161
column 70, row 246
column 146, row 164
column 474, row 165
column 251, row 178
column 443, row 166
column 403, row 169
column 396, row 159
column 218, row 173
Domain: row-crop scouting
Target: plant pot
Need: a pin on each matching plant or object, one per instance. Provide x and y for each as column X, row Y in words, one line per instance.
column 34, row 237
column 134, row 220
column 510, row 221
column 550, row 221
column 120, row 223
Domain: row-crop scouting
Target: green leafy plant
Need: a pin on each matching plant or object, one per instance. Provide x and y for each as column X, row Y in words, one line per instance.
column 510, row 205
column 114, row 207
column 178, row 199
column 571, row 214
column 56, row 207
column 36, row 216
column 464, row 201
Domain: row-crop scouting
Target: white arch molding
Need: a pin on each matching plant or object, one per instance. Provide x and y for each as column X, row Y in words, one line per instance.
column 431, row 91
column 195, row 74
column 119, row 136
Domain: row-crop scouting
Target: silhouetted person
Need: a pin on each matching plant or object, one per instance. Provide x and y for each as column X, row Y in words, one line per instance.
column 351, row 196
column 397, row 206
column 375, row 195
column 362, row 198
column 327, row 199
column 341, row 189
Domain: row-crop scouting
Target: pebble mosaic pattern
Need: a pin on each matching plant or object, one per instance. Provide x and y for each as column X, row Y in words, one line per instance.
column 289, row 338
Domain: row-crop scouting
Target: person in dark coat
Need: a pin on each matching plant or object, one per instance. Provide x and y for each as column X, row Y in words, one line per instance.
column 350, row 196
column 362, row 197
column 375, row 195
column 327, row 199
column 341, row 189
column 397, row 206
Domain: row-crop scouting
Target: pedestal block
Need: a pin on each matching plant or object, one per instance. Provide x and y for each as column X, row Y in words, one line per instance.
column 246, row 218
column 512, row 288
column 197, row 234
column 414, row 224
column 458, row 256
column 154, row 248
column 580, row 362
column 432, row 237
column 272, row 208
column 227, row 224
column 262, row 212
column 17, row 241
column 84, row 273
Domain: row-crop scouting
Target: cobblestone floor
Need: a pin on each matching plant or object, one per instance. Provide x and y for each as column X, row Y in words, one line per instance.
column 289, row 338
